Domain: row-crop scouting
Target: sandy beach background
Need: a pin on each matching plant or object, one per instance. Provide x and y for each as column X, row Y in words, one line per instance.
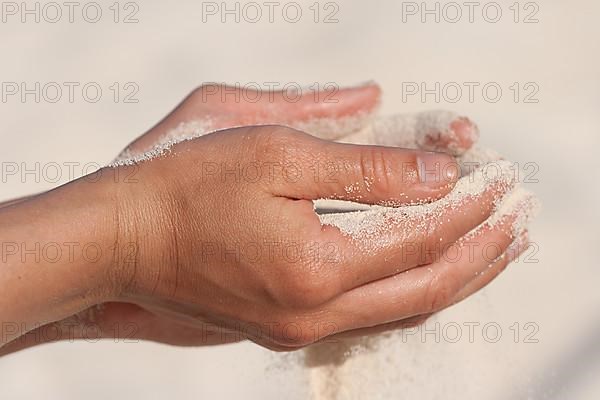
column 551, row 127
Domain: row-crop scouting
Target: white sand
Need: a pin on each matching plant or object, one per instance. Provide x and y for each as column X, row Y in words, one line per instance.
column 184, row 131
column 418, row 130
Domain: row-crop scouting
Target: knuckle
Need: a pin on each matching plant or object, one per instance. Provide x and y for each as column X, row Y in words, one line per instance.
column 424, row 242
column 376, row 169
column 432, row 238
column 268, row 142
column 441, row 291
column 303, row 290
column 277, row 143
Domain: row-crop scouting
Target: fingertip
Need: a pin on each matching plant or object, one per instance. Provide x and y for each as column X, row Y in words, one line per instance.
column 446, row 131
column 336, row 112
column 515, row 211
column 372, row 91
column 363, row 98
column 438, row 171
column 466, row 133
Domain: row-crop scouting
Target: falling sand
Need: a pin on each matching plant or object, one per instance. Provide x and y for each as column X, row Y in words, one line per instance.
column 337, row 369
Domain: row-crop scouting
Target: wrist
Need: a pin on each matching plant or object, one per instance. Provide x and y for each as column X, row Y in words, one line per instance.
column 56, row 251
column 143, row 228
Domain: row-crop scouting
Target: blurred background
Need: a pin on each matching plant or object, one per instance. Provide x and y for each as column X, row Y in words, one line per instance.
column 533, row 67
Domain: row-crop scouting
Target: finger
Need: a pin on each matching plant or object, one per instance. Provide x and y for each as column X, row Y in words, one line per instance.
column 442, row 131
column 367, row 246
column 249, row 106
column 426, row 289
column 332, row 103
column 382, row 242
column 518, row 247
column 317, row 111
column 365, row 174
column 514, row 214
column 333, row 114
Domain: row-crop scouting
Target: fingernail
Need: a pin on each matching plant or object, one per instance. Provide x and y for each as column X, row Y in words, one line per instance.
column 436, row 169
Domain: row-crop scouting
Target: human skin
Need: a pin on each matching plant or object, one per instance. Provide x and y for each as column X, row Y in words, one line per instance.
column 181, row 287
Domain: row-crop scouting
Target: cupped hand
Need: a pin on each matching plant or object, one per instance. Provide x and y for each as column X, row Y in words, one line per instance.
column 183, row 293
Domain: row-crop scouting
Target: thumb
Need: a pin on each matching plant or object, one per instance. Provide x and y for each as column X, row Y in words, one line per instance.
column 332, row 113
column 364, row 173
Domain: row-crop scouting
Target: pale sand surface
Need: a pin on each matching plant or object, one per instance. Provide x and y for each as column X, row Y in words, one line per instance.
column 168, row 53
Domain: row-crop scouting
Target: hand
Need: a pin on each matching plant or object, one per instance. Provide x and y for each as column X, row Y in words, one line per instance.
column 158, row 325
column 204, row 275
column 192, row 279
